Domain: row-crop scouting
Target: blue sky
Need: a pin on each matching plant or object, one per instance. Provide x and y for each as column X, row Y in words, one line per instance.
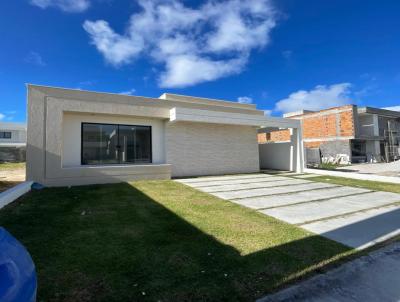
column 281, row 55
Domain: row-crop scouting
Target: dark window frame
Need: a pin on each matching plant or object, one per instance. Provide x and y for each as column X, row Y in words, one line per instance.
column 117, row 126
column 4, row 136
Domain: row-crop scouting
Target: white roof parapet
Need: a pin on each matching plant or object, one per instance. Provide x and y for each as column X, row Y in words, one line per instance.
column 206, row 101
column 294, row 113
column 216, row 117
column 12, row 126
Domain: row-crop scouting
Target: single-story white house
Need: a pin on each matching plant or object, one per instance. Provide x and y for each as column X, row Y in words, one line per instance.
column 80, row 137
column 12, row 141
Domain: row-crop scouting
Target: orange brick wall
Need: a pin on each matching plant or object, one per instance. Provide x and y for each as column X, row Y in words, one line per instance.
column 275, row 136
column 326, row 123
column 279, row 136
column 262, row 138
column 347, row 123
column 319, row 126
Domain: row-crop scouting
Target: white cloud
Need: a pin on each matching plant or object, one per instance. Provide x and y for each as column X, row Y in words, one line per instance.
column 393, row 108
column 186, row 70
column 7, row 115
column 245, row 100
column 194, row 45
column 70, row 6
column 267, row 112
column 116, row 49
column 321, row 97
column 128, row 92
column 35, row 59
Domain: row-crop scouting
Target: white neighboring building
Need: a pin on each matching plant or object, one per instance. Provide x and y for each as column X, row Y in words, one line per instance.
column 12, row 141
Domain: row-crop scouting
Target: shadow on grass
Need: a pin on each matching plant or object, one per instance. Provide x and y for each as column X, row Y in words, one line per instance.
column 115, row 243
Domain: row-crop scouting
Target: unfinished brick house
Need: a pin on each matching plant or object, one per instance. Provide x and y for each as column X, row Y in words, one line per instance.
column 361, row 133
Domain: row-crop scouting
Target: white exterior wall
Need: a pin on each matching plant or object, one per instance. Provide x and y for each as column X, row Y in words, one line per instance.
column 211, row 149
column 71, row 141
column 286, row 156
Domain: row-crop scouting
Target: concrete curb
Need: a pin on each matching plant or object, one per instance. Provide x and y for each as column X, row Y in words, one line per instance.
column 12, row 194
column 353, row 175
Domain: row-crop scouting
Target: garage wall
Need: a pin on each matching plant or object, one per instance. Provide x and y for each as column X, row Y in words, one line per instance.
column 211, row 149
column 276, row 156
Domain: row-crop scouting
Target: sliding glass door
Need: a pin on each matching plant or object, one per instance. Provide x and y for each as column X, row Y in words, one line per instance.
column 99, row 144
column 115, row 144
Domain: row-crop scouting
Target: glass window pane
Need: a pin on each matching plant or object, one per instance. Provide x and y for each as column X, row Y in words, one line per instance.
column 142, row 144
column 5, row 134
column 127, row 144
column 135, row 144
column 99, row 144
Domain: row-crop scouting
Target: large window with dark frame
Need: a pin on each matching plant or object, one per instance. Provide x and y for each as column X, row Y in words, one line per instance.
column 5, row 134
column 115, row 144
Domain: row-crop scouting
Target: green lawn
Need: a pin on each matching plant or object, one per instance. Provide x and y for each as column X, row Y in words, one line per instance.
column 158, row 241
column 11, row 166
column 372, row 185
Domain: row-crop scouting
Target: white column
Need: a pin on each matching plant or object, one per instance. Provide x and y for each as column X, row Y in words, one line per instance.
column 297, row 150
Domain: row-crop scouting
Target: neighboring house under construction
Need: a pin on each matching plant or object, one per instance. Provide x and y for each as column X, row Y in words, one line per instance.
column 362, row 134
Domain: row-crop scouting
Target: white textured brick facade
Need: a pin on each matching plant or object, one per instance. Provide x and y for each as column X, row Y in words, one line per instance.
column 211, row 149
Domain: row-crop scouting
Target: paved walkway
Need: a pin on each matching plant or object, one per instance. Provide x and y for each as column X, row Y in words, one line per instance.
column 353, row 216
column 371, row 278
column 355, row 175
column 384, row 169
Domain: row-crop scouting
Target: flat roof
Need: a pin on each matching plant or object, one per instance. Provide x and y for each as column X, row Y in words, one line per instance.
column 378, row 111
column 206, row 101
column 166, row 99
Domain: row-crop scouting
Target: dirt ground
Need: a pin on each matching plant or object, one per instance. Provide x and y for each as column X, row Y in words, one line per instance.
column 11, row 177
column 384, row 169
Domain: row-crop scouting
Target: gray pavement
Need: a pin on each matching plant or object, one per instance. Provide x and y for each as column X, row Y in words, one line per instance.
column 375, row 277
column 356, row 217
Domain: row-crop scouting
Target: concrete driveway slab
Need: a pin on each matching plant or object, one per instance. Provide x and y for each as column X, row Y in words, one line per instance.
column 273, row 190
column 305, row 212
column 360, row 230
column 236, row 181
column 356, row 217
column 224, row 177
column 296, row 197
column 253, row 185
